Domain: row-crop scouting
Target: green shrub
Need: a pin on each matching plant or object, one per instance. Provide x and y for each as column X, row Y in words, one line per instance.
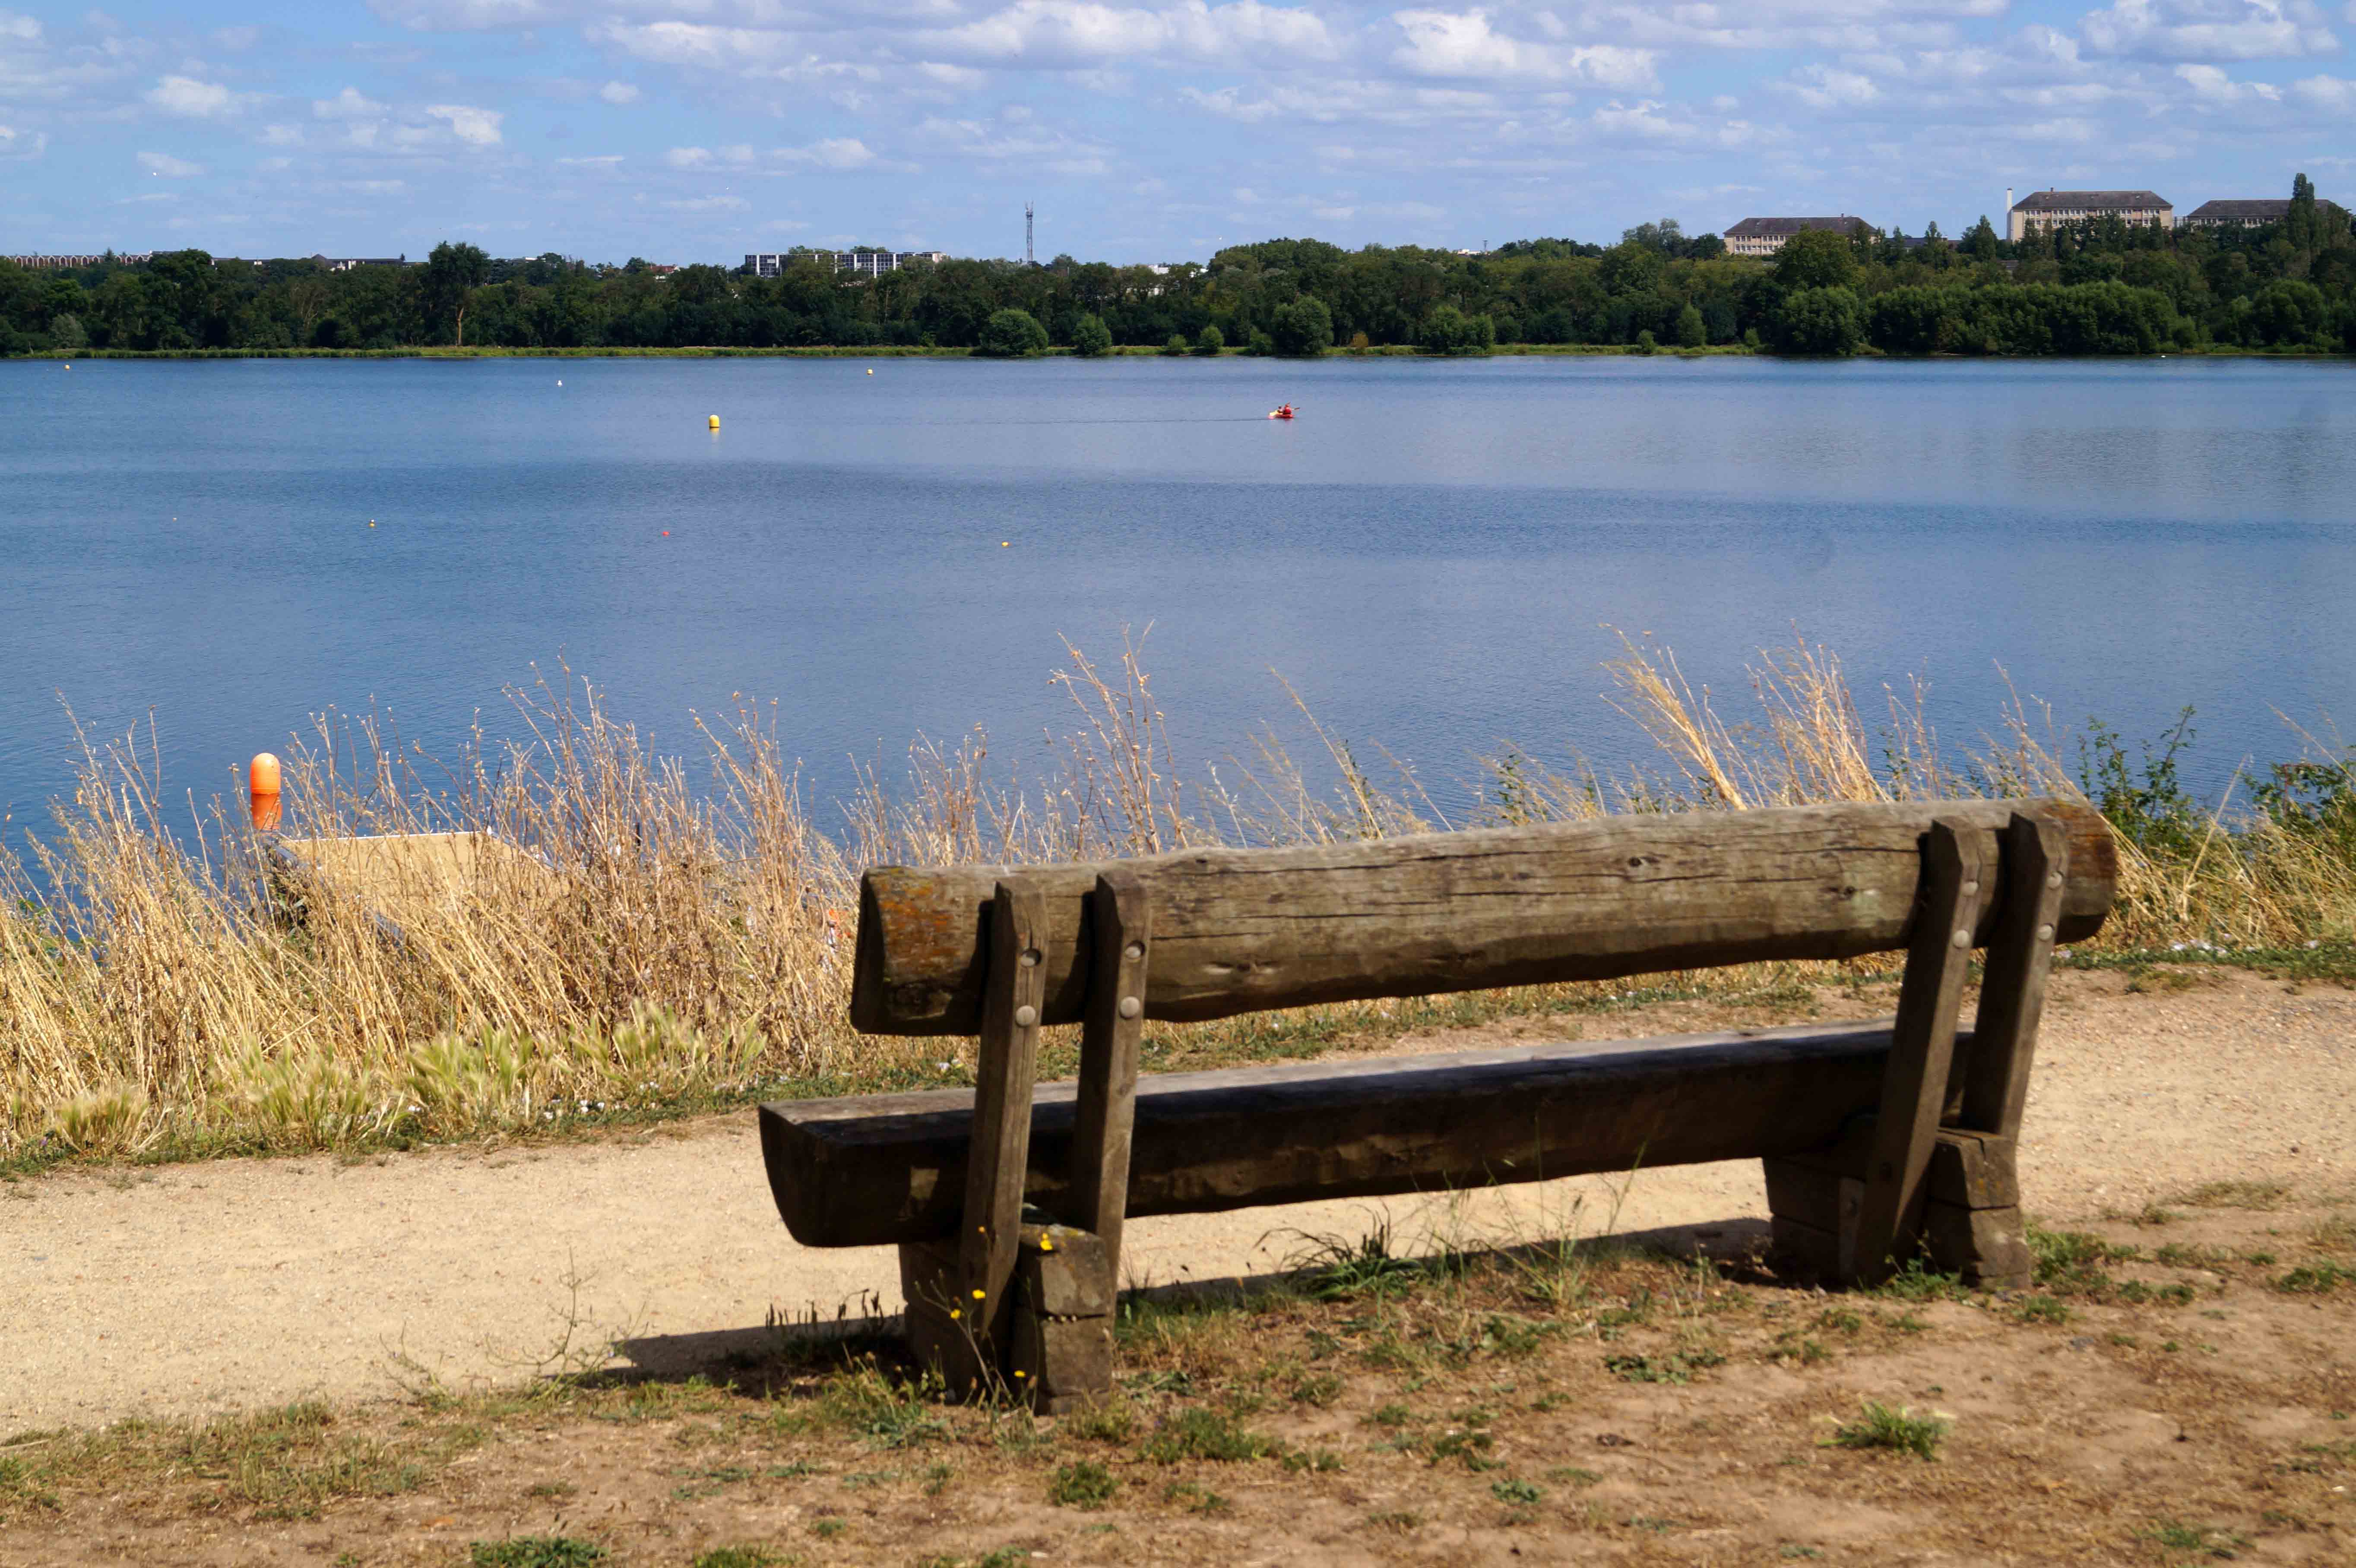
column 536, row 1552
column 1899, row 1429
column 1013, row 334
column 1206, row 1434
column 1091, row 337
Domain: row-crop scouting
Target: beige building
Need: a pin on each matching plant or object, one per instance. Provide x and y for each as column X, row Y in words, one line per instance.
column 2055, row 208
column 1765, row 236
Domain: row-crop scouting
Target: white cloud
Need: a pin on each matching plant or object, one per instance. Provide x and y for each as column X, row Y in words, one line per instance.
column 16, row 144
column 188, row 96
column 477, row 127
column 835, row 153
column 169, row 167
column 601, row 161
column 2208, row 29
column 689, row 157
column 1826, row 87
column 619, row 93
column 2333, row 94
column 2212, row 86
column 710, row 204
column 282, row 135
column 1463, row 44
column 1052, row 33
column 348, row 104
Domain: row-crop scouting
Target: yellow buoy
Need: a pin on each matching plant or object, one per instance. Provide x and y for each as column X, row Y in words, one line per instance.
column 715, row 421
column 1004, row 544
column 871, row 372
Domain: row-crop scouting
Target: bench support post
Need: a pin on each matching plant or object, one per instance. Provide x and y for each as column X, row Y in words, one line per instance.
column 1031, row 1304
column 1854, row 1209
column 961, row 1296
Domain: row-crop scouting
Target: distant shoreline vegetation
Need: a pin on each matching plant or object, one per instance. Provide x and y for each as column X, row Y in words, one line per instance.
column 2097, row 288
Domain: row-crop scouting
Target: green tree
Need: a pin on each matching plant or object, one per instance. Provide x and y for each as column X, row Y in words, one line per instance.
column 1011, row 335
column 1091, row 337
column 2299, row 226
column 1818, row 321
column 1209, row 341
column 1303, row 329
column 1981, row 244
column 452, row 275
column 1177, row 344
column 65, row 331
column 1647, row 343
column 1816, row 259
column 1448, row 330
column 1692, row 332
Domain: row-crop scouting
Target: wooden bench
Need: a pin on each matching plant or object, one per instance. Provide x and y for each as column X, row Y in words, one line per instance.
column 1882, row 1142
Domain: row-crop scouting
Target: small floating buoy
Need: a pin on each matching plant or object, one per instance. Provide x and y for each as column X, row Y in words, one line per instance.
column 559, row 380
column 1006, row 544
column 371, row 522
column 715, row 421
column 666, row 533
column 262, row 781
column 871, row 371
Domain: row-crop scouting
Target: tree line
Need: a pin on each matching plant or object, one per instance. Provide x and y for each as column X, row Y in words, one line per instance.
column 2101, row 287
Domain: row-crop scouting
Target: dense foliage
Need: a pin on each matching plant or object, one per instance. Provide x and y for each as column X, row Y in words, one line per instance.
column 2099, row 288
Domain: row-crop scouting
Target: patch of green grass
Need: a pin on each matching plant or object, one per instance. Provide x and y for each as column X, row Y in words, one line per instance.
column 1207, row 1434
column 1792, row 1346
column 2136, row 1293
column 1572, row 1475
column 2041, row 1309
column 1109, row 1420
column 1899, row 1430
column 535, row 1551
column 1917, row 1281
column 1677, row 1367
column 1392, row 1415
column 736, row 1557
column 1468, row 1446
column 1839, row 1319
column 1520, row 1493
column 1197, row 1500
column 888, row 1414
column 829, row 1529
column 2316, row 1279
column 2263, row 1195
column 2220, row 1545
column 1336, row 1270
column 2068, row 1262
column 1082, row 1484
column 1320, row 1389
column 1399, row 1520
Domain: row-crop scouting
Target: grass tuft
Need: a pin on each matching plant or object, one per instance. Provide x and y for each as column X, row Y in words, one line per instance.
column 1899, row 1430
column 535, row 1551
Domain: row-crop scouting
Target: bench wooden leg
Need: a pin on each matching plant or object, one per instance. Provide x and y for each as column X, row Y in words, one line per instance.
column 1059, row 1350
column 1970, row 1225
column 1922, row 1047
column 960, row 1317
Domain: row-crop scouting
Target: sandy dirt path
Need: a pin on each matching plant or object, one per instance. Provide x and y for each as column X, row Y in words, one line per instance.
column 203, row 1288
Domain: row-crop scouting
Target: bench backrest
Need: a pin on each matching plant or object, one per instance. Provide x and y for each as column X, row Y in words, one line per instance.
column 1239, row 930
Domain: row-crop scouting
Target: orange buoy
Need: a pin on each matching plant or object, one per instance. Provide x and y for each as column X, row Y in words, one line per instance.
column 262, row 781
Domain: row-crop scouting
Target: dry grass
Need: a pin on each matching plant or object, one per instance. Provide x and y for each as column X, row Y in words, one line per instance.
column 672, row 934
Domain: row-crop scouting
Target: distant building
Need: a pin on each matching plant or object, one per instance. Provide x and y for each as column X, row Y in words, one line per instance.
column 1765, row 236
column 2054, row 209
column 353, row 264
column 2248, row 214
column 68, row 263
column 866, row 263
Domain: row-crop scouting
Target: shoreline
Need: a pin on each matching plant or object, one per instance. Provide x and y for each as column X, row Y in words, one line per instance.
column 1128, row 351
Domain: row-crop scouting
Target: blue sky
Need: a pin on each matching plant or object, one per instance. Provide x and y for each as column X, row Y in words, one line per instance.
column 699, row 130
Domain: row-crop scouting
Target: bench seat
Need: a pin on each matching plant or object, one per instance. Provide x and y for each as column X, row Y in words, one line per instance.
column 873, row 1168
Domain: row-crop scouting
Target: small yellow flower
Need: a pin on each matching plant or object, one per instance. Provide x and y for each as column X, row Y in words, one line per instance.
column 1022, row 1374
column 981, row 1294
column 1046, row 1244
column 956, row 1312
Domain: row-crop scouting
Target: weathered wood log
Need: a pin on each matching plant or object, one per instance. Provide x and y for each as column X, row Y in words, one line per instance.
column 1239, row 930
column 877, row 1168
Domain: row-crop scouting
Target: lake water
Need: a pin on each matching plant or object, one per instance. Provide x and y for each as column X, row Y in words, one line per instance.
column 1431, row 554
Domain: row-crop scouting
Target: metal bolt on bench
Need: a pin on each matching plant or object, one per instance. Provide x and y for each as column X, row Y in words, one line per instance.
column 1882, row 1142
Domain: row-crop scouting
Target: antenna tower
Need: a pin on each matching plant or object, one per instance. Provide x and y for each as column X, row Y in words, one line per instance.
column 1030, row 254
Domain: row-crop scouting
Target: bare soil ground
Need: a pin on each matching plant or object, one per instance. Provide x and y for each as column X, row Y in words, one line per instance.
column 2180, row 1389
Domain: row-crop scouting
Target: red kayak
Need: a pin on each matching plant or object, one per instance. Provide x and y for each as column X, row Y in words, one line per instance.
column 1283, row 413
